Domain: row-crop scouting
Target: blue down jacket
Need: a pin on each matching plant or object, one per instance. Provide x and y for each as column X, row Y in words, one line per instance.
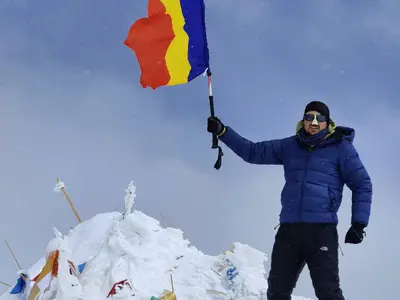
column 315, row 176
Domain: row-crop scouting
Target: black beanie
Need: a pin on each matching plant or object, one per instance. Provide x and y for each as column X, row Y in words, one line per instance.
column 318, row 106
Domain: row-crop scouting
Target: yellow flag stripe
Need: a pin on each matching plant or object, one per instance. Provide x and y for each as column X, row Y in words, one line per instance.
column 177, row 54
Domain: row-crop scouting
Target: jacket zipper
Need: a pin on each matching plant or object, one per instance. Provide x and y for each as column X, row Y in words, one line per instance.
column 302, row 183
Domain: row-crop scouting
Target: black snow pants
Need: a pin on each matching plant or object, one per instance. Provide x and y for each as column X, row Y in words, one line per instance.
column 297, row 245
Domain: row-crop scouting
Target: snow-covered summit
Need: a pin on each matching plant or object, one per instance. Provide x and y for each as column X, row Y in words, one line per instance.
column 130, row 256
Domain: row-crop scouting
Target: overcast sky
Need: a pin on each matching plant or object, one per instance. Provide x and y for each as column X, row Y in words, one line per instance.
column 72, row 107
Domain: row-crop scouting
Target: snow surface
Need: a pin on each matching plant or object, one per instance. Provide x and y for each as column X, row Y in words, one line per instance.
column 134, row 246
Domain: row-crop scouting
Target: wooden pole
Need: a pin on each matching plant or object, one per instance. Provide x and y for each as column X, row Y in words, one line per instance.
column 172, row 282
column 12, row 253
column 70, row 202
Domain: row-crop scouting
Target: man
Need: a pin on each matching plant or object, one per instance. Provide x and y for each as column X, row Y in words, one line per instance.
column 318, row 160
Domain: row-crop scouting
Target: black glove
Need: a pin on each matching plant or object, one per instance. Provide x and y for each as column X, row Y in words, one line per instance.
column 214, row 125
column 355, row 234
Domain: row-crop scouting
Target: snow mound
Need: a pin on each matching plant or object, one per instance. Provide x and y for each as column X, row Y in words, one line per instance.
column 130, row 256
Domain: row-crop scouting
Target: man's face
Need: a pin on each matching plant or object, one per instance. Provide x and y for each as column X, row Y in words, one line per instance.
column 314, row 122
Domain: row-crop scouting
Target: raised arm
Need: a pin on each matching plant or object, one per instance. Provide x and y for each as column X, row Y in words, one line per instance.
column 260, row 153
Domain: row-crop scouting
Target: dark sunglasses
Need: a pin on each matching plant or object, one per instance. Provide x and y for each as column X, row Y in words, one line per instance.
column 310, row 117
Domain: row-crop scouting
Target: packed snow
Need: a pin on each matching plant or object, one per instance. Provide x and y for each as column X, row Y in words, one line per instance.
column 130, row 255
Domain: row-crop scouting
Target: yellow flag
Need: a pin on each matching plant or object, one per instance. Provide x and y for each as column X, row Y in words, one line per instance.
column 167, row 295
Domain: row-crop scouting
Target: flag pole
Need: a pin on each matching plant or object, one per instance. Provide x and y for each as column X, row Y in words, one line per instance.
column 166, row 222
column 215, row 145
column 172, row 283
column 12, row 253
column 6, row 284
column 62, row 187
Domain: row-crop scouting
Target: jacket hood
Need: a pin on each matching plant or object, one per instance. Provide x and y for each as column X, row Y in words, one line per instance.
column 346, row 133
column 335, row 133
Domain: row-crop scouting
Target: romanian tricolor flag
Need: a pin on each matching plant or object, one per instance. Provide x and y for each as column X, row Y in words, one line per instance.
column 171, row 43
